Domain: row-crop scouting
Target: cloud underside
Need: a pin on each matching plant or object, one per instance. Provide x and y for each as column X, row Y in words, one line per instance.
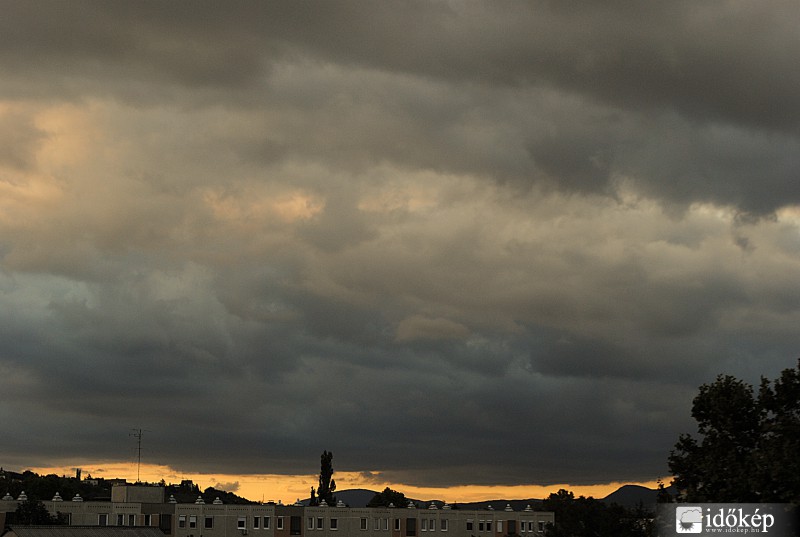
column 454, row 243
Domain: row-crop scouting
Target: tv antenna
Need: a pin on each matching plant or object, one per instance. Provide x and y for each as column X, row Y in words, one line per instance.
column 138, row 433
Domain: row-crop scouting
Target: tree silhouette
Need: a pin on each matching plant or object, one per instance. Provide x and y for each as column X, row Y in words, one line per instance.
column 748, row 446
column 327, row 485
column 34, row 513
column 387, row 497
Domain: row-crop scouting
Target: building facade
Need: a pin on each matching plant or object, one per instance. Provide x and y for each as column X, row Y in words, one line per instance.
column 135, row 506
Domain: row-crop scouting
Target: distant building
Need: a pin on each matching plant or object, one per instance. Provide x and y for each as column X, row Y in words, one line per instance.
column 139, row 506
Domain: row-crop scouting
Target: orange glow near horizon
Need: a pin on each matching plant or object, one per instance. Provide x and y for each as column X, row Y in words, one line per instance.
column 289, row 488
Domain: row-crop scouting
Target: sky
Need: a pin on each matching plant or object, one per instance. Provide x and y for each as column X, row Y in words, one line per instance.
column 459, row 244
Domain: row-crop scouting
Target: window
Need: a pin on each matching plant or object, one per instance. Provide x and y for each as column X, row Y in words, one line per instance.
column 469, row 524
column 541, row 526
column 481, row 525
column 310, row 523
column 424, row 525
column 192, row 521
column 181, row 521
column 521, row 526
column 443, row 524
column 512, row 527
column 499, row 526
column 396, row 524
column 121, row 520
column 279, row 523
column 530, row 525
column 241, row 523
column 295, row 525
column 148, row 520
column 385, row 525
column 488, row 525
column 364, row 523
column 376, row 524
column 256, row 522
column 266, row 522
column 102, row 519
column 334, row 523
column 131, row 520
column 165, row 523
column 320, row 523
column 209, row 522
column 411, row 527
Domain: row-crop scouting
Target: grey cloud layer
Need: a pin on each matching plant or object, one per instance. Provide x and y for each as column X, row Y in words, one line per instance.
column 420, row 235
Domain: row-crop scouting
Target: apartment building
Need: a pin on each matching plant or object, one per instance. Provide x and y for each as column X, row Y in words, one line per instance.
column 144, row 506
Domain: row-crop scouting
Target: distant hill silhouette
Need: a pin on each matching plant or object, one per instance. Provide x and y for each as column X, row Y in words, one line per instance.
column 633, row 495
column 627, row 496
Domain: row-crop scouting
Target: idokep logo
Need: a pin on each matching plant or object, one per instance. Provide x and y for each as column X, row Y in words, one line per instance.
column 689, row 519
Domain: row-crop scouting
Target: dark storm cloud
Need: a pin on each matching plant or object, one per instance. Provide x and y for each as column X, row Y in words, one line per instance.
column 721, row 66
column 418, row 234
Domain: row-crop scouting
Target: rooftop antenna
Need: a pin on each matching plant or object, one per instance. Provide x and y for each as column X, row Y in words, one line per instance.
column 138, row 433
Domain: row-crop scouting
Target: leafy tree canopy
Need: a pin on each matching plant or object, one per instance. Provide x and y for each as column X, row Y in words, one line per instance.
column 387, row 497
column 588, row 517
column 748, row 443
column 34, row 513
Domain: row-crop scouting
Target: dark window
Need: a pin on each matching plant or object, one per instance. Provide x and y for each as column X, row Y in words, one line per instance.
column 209, row 522
column 295, row 526
column 411, row 527
column 512, row 527
column 165, row 523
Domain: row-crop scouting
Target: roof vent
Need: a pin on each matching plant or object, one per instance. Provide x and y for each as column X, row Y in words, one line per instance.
column 528, row 508
column 199, row 501
column 446, row 506
column 23, row 497
column 432, row 506
column 340, row 503
column 217, row 501
column 508, row 507
column 172, row 499
column 391, row 504
column 411, row 505
column 77, row 498
column 322, row 503
column 58, row 498
column 490, row 508
column 8, row 497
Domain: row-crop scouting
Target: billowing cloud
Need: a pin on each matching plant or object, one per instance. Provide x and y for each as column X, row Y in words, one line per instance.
column 453, row 243
column 228, row 487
